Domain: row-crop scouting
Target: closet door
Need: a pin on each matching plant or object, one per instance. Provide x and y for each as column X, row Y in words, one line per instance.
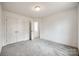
column 22, row 29
column 17, row 29
column 11, row 28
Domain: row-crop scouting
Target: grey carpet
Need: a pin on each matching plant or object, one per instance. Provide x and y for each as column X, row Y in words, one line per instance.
column 38, row 47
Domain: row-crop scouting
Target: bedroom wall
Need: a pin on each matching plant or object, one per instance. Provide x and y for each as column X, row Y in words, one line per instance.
column 1, row 33
column 61, row 27
column 78, row 25
column 16, row 27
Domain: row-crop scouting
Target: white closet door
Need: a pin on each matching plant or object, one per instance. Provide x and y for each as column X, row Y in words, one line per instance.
column 16, row 30
column 22, row 29
column 11, row 30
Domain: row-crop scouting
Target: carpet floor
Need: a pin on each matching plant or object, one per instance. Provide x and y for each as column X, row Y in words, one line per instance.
column 38, row 47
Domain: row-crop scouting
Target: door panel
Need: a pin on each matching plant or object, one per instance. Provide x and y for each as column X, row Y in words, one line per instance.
column 16, row 30
column 10, row 30
column 23, row 29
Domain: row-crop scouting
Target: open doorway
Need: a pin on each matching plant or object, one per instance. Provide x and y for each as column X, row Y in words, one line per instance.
column 34, row 30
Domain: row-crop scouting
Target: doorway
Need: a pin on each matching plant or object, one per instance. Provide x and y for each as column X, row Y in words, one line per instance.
column 34, row 30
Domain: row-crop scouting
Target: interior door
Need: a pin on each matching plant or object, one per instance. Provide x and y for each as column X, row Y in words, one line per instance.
column 22, row 29
column 11, row 35
column 17, row 29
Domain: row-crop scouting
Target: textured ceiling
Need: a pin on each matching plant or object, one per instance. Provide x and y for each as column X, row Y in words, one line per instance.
column 47, row 8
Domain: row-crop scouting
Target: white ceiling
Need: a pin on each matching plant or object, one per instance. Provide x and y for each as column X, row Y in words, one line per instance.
column 47, row 8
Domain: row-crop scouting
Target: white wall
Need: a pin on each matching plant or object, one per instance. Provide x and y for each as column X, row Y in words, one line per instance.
column 16, row 27
column 60, row 27
column 1, row 33
column 78, row 25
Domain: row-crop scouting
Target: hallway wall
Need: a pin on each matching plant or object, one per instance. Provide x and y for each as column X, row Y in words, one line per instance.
column 61, row 27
